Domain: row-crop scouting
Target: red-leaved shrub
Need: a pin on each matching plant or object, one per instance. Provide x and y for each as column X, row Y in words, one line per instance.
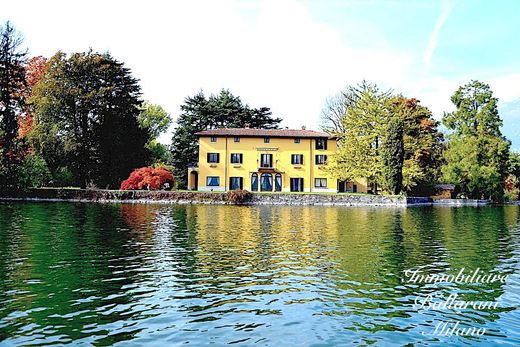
column 148, row 178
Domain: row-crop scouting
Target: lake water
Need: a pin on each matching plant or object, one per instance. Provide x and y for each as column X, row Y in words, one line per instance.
column 268, row 275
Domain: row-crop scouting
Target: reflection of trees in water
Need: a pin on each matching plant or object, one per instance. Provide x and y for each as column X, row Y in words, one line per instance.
column 199, row 262
column 74, row 258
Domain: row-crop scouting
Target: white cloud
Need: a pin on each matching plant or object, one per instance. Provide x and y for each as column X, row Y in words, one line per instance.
column 446, row 7
column 271, row 53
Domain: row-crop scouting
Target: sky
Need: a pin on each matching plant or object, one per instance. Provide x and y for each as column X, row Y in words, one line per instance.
column 289, row 55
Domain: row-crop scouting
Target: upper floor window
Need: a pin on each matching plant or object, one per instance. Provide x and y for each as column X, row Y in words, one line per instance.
column 320, row 183
column 267, row 140
column 321, row 159
column 297, row 159
column 212, row 181
column 236, row 139
column 321, row 143
column 213, row 139
column 297, row 140
column 213, row 157
column 266, row 160
column 236, row 158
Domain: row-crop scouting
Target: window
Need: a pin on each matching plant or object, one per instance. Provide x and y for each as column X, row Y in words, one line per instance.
column 236, row 158
column 296, row 184
column 254, row 182
column 320, row 183
column 213, row 139
column 213, row 157
column 236, row 139
column 278, row 182
column 297, row 159
column 212, row 181
column 266, row 160
column 267, row 140
column 297, row 140
column 266, row 182
column 321, row 159
column 235, row 183
column 321, row 143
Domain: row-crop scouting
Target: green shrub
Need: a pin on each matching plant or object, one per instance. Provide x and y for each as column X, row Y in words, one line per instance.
column 33, row 172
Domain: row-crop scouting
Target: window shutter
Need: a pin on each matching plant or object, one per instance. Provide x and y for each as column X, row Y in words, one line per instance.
column 301, row 159
column 241, row 158
column 207, row 157
column 218, row 157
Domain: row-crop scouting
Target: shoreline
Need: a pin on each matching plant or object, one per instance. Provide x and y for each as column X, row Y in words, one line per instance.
column 219, row 198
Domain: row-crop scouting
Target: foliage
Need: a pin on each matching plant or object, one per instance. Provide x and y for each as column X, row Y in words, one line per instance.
column 159, row 153
column 12, row 83
column 392, row 153
column 156, row 121
column 87, row 118
column 148, row 178
column 238, row 196
column 364, row 124
column 34, row 71
column 200, row 113
column 477, row 154
column 423, row 143
column 512, row 184
column 154, row 118
column 368, row 115
column 33, row 172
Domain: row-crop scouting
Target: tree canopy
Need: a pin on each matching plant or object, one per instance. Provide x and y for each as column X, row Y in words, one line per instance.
column 12, row 85
column 200, row 112
column 87, row 118
column 477, row 153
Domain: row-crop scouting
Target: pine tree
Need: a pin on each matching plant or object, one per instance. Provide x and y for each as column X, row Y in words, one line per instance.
column 199, row 113
column 12, row 84
column 392, row 153
column 477, row 153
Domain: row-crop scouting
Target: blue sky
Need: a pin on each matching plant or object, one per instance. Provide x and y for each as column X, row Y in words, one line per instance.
column 286, row 54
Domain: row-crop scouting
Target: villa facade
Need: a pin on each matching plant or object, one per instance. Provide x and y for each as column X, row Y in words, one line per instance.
column 266, row 160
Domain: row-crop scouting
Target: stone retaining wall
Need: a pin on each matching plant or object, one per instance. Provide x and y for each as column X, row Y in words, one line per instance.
column 174, row 197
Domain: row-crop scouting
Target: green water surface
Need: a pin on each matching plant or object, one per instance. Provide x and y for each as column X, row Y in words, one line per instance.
column 102, row 274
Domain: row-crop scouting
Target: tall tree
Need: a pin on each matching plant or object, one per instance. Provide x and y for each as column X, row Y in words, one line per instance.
column 392, row 153
column 87, row 118
column 423, row 143
column 200, row 113
column 363, row 124
column 12, row 83
column 477, row 153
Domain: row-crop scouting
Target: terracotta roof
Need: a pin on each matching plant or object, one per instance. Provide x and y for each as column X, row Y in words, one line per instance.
column 250, row 132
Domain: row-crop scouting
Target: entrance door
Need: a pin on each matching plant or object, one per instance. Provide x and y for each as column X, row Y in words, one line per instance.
column 296, row 184
column 342, row 186
column 195, row 180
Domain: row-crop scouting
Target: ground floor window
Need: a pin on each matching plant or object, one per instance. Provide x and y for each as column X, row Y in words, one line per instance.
column 320, row 183
column 254, row 182
column 212, row 181
column 278, row 182
column 296, row 184
column 235, row 183
column 266, row 182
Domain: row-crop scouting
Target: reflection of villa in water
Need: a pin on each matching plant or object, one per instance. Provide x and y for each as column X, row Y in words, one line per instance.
column 266, row 160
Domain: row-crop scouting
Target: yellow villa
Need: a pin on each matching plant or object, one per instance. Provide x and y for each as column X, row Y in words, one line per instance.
column 266, row 160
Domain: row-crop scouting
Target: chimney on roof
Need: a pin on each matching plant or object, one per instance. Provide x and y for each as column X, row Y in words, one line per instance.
column 303, row 127
column 247, row 125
